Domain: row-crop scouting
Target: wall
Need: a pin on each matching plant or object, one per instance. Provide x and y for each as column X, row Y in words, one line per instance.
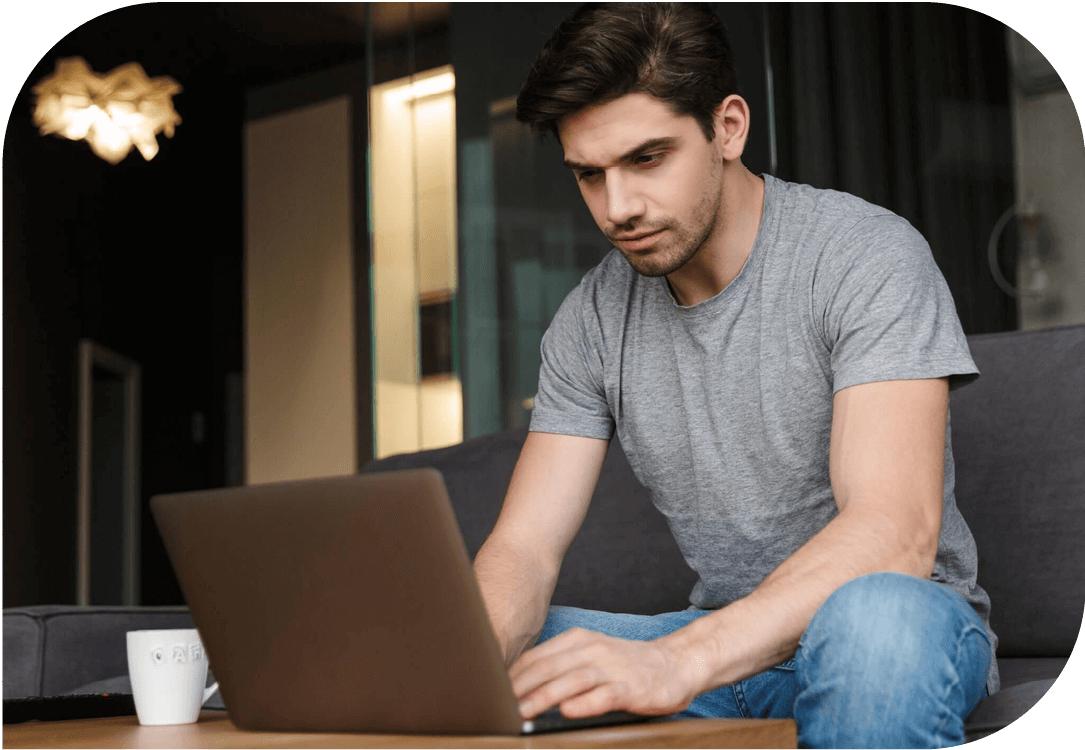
column 1050, row 172
column 299, row 303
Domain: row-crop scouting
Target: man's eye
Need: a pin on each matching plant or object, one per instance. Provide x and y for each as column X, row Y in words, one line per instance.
column 652, row 163
column 587, row 175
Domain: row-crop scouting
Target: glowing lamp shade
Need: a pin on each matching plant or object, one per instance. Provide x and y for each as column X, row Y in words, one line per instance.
column 112, row 112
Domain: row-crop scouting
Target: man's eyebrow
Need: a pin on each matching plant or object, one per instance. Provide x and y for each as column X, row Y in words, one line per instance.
column 649, row 145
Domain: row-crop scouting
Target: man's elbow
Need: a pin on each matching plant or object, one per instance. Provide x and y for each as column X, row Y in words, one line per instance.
column 922, row 548
column 924, row 565
column 906, row 544
column 896, row 542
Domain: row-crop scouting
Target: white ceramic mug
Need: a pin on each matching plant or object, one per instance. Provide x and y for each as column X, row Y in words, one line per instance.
column 168, row 669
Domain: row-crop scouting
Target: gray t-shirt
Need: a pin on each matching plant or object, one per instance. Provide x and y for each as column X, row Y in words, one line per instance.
column 724, row 408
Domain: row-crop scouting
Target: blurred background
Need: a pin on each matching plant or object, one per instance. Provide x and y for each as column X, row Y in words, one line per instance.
column 349, row 248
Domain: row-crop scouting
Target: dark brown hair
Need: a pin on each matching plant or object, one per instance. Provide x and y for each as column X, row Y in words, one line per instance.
column 678, row 53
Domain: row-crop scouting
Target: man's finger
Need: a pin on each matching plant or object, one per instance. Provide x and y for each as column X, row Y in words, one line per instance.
column 549, row 668
column 568, row 685
column 596, row 701
column 556, row 645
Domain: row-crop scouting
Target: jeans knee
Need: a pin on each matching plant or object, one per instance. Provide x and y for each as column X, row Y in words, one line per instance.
column 889, row 619
column 893, row 660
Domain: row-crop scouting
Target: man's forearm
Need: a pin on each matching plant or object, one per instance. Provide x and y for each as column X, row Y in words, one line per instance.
column 517, row 590
column 764, row 628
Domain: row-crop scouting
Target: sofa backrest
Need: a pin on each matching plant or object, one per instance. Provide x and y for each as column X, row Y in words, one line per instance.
column 1018, row 437
column 624, row 558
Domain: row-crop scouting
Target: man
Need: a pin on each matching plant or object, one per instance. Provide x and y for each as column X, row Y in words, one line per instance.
column 776, row 360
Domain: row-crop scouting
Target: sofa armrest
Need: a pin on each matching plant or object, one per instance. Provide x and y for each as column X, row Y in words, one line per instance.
column 52, row 650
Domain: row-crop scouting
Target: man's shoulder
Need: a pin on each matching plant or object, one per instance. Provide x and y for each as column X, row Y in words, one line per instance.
column 609, row 280
column 799, row 199
column 826, row 221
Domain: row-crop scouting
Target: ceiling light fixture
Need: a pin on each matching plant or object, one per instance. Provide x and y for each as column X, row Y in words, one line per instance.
column 112, row 112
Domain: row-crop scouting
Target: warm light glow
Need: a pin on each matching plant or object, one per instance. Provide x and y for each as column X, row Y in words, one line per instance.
column 414, row 257
column 438, row 84
column 113, row 112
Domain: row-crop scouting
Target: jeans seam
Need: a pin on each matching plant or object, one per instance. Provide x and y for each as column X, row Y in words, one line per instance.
column 740, row 700
column 968, row 630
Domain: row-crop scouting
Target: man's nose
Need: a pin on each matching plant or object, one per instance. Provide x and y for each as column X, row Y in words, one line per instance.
column 623, row 202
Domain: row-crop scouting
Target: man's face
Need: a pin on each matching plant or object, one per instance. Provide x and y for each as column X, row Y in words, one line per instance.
column 651, row 179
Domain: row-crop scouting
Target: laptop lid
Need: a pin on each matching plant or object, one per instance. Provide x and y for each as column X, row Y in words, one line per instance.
column 346, row 604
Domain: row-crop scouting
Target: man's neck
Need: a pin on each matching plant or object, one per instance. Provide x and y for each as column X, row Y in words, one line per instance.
column 689, row 290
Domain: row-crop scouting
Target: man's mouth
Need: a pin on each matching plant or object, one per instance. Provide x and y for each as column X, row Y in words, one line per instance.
column 630, row 237
column 640, row 242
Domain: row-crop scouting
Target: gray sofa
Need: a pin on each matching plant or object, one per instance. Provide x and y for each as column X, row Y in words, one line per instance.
column 1019, row 446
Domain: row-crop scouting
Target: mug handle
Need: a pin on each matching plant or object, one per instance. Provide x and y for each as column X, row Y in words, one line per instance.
column 208, row 692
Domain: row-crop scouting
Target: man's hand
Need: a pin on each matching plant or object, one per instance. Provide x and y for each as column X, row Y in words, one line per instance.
column 588, row 674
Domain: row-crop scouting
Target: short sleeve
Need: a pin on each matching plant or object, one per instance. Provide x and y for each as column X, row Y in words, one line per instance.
column 887, row 312
column 571, row 399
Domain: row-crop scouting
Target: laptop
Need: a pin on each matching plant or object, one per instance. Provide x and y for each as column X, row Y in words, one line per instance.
column 346, row 604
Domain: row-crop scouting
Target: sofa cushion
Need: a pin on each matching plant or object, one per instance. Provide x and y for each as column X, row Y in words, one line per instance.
column 1024, row 682
column 78, row 645
column 123, row 684
column 624, row 558
column 113, row 685
column 1017, row 671
column 1019, row 450
column 1003, row 708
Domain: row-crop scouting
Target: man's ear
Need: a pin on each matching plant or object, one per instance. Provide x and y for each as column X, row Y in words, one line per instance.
column 732, row 125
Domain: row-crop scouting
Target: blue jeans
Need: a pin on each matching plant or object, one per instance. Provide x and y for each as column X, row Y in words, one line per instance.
column 888, row 660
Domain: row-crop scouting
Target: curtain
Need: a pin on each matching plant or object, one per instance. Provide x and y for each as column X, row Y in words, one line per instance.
column 906, row 106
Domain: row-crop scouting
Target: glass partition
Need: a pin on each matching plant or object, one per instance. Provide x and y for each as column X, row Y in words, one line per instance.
column 938, row 113
column 417, row 390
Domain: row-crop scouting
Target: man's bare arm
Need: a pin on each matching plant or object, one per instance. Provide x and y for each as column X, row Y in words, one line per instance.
column 886, row 464
column 547, row 499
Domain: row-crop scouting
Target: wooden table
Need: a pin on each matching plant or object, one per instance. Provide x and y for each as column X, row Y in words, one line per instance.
column 214, row 730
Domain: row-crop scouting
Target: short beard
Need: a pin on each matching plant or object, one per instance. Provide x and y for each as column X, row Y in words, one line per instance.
column 658, row 262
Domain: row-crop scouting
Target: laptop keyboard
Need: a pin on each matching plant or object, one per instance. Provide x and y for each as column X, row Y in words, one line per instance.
column 553, row 721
